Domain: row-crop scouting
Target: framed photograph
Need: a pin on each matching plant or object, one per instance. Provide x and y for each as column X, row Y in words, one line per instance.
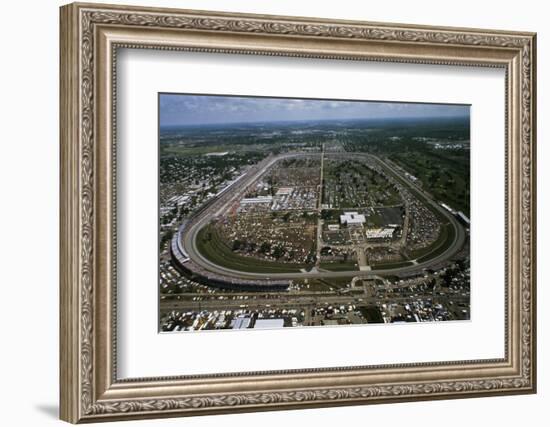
column 266, row 213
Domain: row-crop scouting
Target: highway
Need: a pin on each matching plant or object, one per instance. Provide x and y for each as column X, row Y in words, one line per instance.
column 218, row 206
column 301, row 302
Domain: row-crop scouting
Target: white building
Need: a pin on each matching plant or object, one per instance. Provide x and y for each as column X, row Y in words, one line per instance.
column 352, row 218
column 284, row 191
column 379, row 233
column 256, row 200
column 218, row 154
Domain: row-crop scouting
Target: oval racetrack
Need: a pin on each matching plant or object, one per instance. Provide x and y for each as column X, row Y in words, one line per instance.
column 218, row 205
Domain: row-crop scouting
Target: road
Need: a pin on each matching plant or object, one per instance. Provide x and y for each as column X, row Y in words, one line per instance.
column 190, row 236
column 319, row 209
column 295, row 301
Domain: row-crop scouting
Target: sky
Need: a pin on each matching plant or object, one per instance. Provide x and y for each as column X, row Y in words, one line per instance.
column 179, row 109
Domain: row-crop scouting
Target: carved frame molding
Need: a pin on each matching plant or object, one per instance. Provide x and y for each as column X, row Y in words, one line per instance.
column 90, row 36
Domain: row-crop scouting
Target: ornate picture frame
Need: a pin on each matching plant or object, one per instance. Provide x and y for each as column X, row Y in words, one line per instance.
column 90, row 37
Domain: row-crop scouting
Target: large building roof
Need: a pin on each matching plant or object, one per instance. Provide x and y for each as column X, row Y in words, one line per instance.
column 352, row 218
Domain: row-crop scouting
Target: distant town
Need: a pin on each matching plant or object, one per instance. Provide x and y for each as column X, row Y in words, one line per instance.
column 298, row 223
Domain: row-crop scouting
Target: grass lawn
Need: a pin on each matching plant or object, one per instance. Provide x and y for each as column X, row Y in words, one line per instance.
column 217, row 251
column 338, row 266
column 391, row 265
column 316, row 286
column 372, row 314
column 336, row 282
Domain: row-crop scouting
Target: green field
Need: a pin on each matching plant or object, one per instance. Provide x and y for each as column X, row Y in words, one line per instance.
column 372, row 314
column 385, row 266
column 336, row 282
column 338, row 266
column 324, row 285
column 210, row 245
column 314, row 286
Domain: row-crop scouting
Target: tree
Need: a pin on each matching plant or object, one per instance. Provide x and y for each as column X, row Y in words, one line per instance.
column 278, row 252
column 265, row 247
column 325, row 214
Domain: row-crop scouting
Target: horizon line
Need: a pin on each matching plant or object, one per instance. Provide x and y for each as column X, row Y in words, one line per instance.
column 312, row 120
